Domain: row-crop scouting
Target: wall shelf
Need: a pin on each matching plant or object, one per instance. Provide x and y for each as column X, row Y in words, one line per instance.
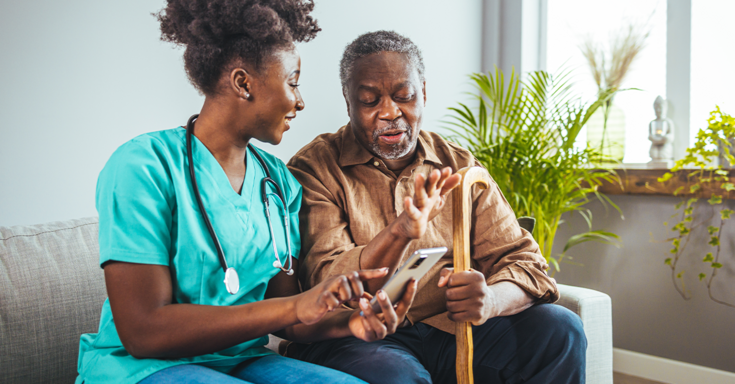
column 645, row 182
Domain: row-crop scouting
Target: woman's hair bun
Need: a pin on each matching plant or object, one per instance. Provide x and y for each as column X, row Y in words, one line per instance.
column 216, row 32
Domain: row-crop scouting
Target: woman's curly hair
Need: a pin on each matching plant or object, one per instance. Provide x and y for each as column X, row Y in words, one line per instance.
column 221, row 33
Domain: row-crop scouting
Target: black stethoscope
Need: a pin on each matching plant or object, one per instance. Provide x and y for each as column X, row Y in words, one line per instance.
column 232, row 281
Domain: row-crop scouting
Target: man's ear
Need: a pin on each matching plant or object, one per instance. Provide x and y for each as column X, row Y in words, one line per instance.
column 240, row 83
column 347, row 101
column 423, row 90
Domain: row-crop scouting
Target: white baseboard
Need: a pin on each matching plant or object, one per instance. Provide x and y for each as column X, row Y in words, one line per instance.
column 666, row 370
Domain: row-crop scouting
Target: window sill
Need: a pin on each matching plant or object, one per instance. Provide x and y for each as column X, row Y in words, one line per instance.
column 645, row 182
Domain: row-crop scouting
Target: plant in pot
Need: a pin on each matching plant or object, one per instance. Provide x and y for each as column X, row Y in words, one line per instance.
column 524, row 133
column 606, row 128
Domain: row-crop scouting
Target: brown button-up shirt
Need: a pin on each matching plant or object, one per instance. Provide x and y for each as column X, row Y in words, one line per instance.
column 349, row 196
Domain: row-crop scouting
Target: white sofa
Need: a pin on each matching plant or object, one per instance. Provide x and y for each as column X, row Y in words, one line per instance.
column 52, row 290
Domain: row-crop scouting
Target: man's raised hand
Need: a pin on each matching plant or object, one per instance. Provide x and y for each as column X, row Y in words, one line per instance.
column 429, row 198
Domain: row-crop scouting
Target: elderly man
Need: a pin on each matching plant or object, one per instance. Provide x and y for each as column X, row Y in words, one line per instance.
column 356, row 208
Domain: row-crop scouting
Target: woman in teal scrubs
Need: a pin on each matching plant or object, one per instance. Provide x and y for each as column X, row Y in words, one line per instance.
column 169, row 317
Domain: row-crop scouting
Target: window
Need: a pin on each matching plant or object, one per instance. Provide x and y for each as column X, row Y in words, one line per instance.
column 713, row 60
column 571, row 22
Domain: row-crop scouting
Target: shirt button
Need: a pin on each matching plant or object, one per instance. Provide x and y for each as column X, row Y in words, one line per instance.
column 376, row 164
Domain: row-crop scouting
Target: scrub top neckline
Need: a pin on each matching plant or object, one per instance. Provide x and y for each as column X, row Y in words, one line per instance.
column 206, row 163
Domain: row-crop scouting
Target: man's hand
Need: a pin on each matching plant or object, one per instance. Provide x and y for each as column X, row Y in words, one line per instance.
column 371, row 326
column 469, row 299
column 429, row 199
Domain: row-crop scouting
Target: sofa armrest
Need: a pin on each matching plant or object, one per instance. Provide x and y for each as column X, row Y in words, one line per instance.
column 595, row 310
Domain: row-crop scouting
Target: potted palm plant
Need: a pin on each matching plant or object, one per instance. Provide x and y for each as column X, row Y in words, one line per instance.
column 524, row 133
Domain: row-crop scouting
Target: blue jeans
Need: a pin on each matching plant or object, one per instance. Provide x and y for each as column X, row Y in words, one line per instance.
column 266, row 369
column 543, row 344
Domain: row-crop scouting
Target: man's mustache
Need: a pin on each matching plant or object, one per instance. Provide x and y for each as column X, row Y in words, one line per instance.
column 394, row 125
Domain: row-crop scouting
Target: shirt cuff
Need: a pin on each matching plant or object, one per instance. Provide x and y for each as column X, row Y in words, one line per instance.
column 530, row 276
column 336, row 264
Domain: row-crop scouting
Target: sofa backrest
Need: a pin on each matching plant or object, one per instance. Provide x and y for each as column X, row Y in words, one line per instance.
column 51, row 291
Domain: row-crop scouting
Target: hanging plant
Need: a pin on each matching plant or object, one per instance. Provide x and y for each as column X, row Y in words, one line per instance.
column 712, row 142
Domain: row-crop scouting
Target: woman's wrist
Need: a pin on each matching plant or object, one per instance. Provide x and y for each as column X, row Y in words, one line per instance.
column 292, row 308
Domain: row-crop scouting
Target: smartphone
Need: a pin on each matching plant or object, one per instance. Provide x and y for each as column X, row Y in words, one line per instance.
column 414, row 268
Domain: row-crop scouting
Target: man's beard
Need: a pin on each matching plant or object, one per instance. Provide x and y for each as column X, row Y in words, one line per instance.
column 396, row 151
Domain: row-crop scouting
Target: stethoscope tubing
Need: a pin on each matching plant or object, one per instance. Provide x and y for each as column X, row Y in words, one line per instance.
column 264, row 194
column 195, row 187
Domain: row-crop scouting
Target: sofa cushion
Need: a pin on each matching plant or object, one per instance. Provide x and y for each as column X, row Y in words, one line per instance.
column 51, row 291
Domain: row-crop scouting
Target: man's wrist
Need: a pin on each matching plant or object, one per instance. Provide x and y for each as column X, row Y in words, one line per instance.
column 397, row 230
column 491, row 304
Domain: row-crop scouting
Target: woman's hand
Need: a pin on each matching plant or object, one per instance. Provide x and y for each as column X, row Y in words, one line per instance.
column 313, row 304
column 370, row 326
column 429, row 199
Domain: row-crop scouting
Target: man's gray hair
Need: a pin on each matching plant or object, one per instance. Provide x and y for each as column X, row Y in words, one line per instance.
column 376, row 42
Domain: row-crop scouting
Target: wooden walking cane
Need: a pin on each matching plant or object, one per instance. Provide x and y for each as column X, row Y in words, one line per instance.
column 461, row 214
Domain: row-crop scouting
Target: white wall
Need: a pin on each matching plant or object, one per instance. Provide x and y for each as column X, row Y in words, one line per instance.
column 78, row 78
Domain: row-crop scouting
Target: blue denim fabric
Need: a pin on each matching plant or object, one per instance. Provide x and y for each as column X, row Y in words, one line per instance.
column 543, row 344
column 260, row 370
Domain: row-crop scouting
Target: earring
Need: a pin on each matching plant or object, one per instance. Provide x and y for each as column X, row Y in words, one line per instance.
column 247, row 96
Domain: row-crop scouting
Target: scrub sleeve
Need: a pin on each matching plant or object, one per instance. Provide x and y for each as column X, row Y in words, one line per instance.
column 148, row 215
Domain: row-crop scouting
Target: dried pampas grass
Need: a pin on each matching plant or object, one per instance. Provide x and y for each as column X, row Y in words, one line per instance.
column 609, row 68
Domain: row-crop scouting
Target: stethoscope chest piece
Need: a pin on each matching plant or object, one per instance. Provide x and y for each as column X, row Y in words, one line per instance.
column 232, row 281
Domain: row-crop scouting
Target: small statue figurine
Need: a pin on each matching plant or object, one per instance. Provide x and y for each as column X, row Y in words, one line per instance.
column 661, row 134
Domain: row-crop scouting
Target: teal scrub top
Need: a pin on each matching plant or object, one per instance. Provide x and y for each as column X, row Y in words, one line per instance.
column 148, row 214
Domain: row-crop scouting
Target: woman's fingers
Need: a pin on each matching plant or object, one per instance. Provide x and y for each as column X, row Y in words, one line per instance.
column 367, row 274
column 340, row 288
column 329, row 300
column 355, row 285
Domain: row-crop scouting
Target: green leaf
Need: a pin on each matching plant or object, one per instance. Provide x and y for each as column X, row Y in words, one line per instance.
column 666, row 223
column 694, row 188
column 728, row 186
column 708, row 258
column 688, row 219
column 689, row 211
column 678, row 205
column 712, row 229
column 721, row 172
column 691, row 201
column 667, row 261
column 684, row 231
column 554, row 263
column 598, row 236
column 676, row 242
column 716, row 265
column 715, row 200
column 702, row 276
column 678, row 190
column 665, row 177
column 714, row 241
column 726, row 213
column 674, row 250
column 679, row 275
